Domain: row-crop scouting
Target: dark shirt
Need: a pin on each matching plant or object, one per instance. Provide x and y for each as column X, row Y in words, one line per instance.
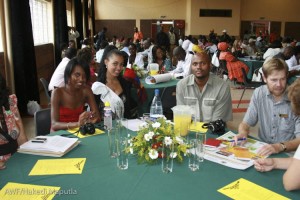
column 163, row 40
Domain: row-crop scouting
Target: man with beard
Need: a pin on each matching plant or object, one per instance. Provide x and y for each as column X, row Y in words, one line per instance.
column 271, row 108
column 212, row 93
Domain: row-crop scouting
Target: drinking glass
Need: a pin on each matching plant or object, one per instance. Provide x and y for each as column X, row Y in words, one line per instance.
column 167, row 158
column 201, row 138
column 112, row 136
column 193, row 157
column 123, row 127
column 146, row 117
column 122, row 155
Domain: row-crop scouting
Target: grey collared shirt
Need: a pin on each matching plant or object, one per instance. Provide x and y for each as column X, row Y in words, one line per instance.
column 214, row 102
column 277, row 122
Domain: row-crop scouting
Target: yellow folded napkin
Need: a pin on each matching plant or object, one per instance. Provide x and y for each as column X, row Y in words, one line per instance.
column 198, row 127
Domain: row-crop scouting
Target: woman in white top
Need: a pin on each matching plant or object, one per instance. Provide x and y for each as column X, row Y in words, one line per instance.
column 291, row 178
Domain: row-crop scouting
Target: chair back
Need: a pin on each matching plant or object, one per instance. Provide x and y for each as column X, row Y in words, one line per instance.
column 247, row 81
column 168, row 100
column 45, row 86
column 42, row 121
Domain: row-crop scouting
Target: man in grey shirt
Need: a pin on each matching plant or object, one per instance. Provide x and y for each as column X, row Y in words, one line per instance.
column 271, row 108
column 212, row 93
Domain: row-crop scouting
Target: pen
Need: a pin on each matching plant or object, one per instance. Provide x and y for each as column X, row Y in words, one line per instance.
column 240, row 139
column 37, row 141
column 43, row 139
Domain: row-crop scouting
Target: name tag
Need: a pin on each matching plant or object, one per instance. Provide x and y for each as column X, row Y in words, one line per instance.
column 283, row 115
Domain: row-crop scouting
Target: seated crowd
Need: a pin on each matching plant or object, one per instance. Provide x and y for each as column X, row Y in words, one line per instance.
column 80, row 87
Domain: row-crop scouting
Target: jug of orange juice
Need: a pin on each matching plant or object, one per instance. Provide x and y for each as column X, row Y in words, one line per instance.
column 154, row 68
column 182, row 119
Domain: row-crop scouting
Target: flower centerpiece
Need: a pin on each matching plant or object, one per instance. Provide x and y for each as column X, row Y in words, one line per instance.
column 138, row 71
column 148, row 142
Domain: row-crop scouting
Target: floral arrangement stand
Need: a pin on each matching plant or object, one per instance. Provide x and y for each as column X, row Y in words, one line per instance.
column 147, row 145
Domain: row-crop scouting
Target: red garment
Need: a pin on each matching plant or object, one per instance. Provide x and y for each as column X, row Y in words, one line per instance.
column 70, row 115
column 234, row 66
column 130, row 75
column 137, row 36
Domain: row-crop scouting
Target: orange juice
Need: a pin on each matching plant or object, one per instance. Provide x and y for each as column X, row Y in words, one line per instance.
column 182, row 123
column 153, row 72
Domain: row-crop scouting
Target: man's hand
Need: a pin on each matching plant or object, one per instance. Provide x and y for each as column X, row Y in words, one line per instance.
column 269, row 149
column 239, row 139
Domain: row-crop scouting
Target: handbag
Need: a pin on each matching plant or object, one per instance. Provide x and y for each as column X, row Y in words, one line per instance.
column 215, row 60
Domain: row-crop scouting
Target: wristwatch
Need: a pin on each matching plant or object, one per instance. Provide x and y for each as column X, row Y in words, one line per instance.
column 283, row 146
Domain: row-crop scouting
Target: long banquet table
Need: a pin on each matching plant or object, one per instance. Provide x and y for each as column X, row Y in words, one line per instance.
column 101, row 179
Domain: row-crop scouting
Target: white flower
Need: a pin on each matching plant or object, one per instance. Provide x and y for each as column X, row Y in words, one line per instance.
column 173, row 154
column 147, row 137
column 153, row 154
column 131, row 150
column 143, row 125
column 179, row 140
column 151, row 134
column 156, row 125
column 168, row 140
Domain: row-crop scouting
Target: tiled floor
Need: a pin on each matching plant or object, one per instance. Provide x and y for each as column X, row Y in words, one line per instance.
column 238, row 114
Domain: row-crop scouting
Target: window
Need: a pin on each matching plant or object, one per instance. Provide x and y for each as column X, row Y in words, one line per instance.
column 1, row 45
column 215, row 13
column 41, row 19
column 69, row 18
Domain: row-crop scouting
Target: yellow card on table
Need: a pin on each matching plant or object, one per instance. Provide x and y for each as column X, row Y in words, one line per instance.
column 78, row 134
column 246, row 190
column 58, row 166
column 198, row 127
column 17, row 191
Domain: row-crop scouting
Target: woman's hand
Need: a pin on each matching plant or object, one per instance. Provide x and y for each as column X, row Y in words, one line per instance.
column 2, row 165
column 87, row 117
column 264, row 165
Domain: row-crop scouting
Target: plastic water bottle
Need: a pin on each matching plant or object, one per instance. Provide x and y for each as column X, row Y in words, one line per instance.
column 156, row 109
column 107, row 116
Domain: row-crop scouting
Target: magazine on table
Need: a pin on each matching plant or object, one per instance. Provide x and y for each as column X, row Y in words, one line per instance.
column 238, row 157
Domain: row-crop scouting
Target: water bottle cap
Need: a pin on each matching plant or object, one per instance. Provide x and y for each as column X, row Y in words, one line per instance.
column 156, row 91
column 106, row 104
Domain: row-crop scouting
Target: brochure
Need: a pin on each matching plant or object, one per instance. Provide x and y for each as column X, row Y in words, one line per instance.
column 238, row 157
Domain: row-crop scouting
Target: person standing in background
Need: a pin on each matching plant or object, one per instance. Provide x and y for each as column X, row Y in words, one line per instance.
column 73, row 35
column 100, row 37
column 162, row 39
column 172, row 38
column 138, row 35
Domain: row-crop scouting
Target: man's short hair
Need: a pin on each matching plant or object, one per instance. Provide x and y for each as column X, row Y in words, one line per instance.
column 205, row 55
column 274, row 64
